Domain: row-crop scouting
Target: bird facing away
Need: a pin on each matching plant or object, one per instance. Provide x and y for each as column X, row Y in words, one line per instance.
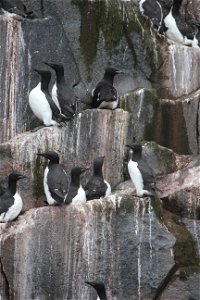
column 153, row 10
column 97, row 187
column 177, row 29
column 105, row 95
column 11, row 201
column 100, row 289
column 76, row 193
column 62, row 93
column 41, row 102
column 140, row 172
column 55, row 179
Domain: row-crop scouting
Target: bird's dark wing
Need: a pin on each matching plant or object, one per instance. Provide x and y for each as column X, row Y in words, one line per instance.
column 6, row 200
column 58, row 182
column 67, row 99
column 148, row 176
column 71, row 194
column 2, row 190
column 95, row 188
column 104, row 91
column 55, row 110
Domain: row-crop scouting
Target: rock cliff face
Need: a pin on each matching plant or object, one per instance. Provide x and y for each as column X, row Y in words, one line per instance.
column 141, row 248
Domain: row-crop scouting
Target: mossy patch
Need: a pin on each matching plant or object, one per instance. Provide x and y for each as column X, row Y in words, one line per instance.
column 5, row 152
column 115, row 20
column 38, row 177
column 185, row 249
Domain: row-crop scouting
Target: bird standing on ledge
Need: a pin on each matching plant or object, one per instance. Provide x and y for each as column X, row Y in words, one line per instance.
column 11, row 201
column 62, row 93
column 140, row 172
column 105, row 95
column 97, row 186
column 76, row 193
column 55, row 179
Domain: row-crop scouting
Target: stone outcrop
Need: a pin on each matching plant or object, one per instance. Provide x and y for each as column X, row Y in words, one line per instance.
column 141, row 248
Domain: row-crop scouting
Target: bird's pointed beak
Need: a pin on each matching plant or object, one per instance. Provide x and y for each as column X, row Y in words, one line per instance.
column 41, row 154
column 90, row 283
column 51, row 65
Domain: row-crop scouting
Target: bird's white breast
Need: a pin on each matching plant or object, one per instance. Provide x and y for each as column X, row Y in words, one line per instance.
column 173, row 32
column 136, row 176
column 55, row 95
column 80, row 197
column 141, row 6
column 108, row 191
column 40, row 106
column 109, row 104
column 14, row 210
column 50, row 200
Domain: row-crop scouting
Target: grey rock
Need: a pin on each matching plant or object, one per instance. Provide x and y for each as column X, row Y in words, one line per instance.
column 92, row 133
column 115, row 230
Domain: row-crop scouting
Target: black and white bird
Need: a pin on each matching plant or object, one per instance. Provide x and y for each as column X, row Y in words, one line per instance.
column 153, row 10
column 97, row 186
column 100, row 289
column 55, row 180
column 41, row 103
column 177, row 29
column 105, row 95
column 11, row 201
column 140, row 172
column 62, row 93
column 76, row 193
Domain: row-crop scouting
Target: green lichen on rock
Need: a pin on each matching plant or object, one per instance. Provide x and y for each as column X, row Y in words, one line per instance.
column 5, row 152
column 141, row 103
column 38, row 177
column 185, row 249
column 127, row 205
column 157, row 207
column 115, row 20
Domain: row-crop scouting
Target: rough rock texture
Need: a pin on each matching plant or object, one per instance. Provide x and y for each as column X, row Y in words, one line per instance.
column 141, row 249
column 60, row 247
column 78, row 143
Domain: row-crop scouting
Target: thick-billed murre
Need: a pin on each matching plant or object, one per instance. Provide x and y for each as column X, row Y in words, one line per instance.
column 141, row 174
column 55, row 180
column 105, row 95
column 97, row 186
column 76, row 193
column 62, row 92
column 41, row 103
column 11, row 201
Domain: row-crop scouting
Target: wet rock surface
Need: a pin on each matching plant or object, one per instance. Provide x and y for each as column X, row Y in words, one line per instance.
column 141, row 248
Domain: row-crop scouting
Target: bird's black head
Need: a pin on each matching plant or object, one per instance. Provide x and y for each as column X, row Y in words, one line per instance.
column 112, row 71
column 137, row 148
column 14, row 176
column 77, row 171
column 58, row 67
column 99, row 287
column 98, row 162
column 51, row 155
column 43, row 73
